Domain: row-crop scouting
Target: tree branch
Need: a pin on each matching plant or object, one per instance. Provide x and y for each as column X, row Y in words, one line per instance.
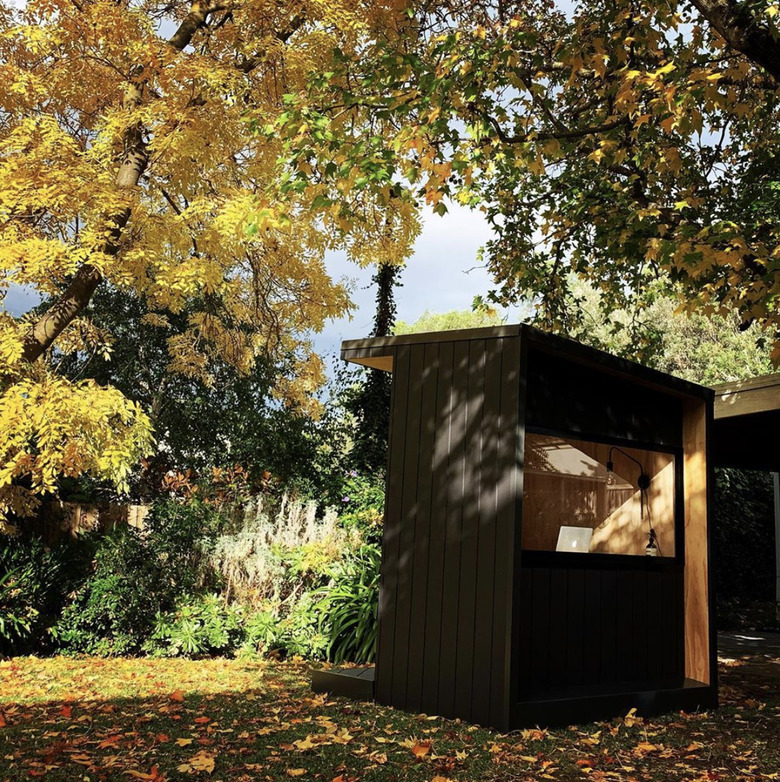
column 135, row 158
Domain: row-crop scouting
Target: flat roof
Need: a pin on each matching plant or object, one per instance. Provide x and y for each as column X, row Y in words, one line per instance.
column 746, row 430
column 376, row 352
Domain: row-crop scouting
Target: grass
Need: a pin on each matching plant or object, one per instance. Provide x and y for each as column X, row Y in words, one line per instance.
column 93, row 719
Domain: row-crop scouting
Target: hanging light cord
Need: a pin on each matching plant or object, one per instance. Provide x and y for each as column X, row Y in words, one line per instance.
column 643, row 482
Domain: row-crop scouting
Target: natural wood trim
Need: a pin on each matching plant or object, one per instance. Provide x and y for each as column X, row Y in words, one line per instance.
column 385, row 363
column 697, row 630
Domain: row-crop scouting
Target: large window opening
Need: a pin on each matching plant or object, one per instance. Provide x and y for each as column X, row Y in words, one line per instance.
column 590, row 497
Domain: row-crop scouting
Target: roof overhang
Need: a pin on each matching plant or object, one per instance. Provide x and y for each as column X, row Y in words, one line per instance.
column 747, row 424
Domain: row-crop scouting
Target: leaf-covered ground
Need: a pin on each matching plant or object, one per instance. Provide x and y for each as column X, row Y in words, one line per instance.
column 92, row 719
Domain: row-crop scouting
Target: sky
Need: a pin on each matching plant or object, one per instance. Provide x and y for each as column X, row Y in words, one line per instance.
column 442, row 275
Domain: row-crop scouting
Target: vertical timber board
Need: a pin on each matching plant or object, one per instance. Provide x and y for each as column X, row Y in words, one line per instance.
column 655, row 632
column 509, row 493
column 639, row 628
column 469, row 539
column 422, row 528
column 404, row 643
column 538, row 628
column 608, row 625
column 486, row 545
column 438, row 525
column 624, row 612
column 575, row 637
column 592, row 638
column 456, row 477
column 558, row 635
column 391, row 528
column 697, row 618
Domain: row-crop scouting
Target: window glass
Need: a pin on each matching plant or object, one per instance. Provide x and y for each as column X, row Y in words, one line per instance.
column 572, row 502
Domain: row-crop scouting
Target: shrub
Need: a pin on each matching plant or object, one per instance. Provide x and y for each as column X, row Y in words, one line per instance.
column 32, row 587
column 743, row 527
column 363, row 505
column 114, row 610
column 181, row 535
column 138, row 575
column 199, row 626
column 349, row 604
column 277, row 558
column 297, row 632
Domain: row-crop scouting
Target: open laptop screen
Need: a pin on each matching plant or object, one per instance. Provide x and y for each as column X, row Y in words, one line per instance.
column 575, row 539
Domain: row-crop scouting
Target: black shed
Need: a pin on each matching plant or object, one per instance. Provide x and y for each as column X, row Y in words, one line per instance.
column 525, row 474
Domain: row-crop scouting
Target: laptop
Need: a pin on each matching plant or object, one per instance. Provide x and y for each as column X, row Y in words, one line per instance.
column 576, row 539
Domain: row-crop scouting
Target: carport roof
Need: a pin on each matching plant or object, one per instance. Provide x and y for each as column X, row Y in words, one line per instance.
column 747, row 424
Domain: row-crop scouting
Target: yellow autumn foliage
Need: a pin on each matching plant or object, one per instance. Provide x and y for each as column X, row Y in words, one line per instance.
column 53, row 428
column 131, row 155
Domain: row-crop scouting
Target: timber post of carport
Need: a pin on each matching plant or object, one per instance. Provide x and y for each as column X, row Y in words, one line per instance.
column 746, row 434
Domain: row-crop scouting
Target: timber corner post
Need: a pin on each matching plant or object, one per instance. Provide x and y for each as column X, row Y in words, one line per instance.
column 546, row 554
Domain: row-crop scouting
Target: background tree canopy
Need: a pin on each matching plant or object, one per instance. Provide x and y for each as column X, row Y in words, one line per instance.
column 622, row 142
column 231, row 419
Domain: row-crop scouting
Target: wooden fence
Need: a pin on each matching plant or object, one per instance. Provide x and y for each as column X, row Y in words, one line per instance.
column 56, row 520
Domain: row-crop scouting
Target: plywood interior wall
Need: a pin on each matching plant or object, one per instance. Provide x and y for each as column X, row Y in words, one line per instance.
column 697, row 631
column 567, row 483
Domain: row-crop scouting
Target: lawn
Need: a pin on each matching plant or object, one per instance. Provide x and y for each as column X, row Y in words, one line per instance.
column 94, row 719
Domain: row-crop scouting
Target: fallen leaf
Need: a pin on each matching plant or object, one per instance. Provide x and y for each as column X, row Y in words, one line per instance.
column 295, row 772
column 421, row 749
column 177, row 695
column 153, row 776
column 203, row 761
column 184, row 742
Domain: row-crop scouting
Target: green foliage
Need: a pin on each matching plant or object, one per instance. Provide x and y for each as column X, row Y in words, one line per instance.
column 137, row 576
column 349, row 606
column 178, row 535
column 31, row 580
column 366, row 395
column 363, row 504
column 114, row 610
column 447, row 321
column 696, row 347
column 199, row 626
column 198, row 582
column 297, row 632
column 744, row 535
column 234, row 419
column 366, row 399
column 614, row 142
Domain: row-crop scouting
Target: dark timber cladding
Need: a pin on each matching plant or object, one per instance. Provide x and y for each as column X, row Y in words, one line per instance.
column 472, row 625
column 444, row 630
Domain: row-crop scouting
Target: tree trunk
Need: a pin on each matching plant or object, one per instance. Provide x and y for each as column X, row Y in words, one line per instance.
column 742, row 31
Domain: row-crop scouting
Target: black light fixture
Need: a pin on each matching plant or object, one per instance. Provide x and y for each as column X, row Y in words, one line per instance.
column 643, row 483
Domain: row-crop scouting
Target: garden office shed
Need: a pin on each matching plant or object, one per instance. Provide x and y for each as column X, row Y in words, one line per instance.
column 526, row 473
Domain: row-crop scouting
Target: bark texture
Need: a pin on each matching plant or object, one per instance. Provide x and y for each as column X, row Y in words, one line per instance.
column 743, row 32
